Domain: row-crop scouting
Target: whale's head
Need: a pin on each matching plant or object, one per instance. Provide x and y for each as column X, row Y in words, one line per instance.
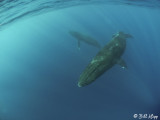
column 95, row 69
column 86, row 79
column 74, row 33
column 88, row 76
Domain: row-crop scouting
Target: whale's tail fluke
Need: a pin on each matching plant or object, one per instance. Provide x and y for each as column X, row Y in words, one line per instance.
column 128, row 36
column 125, row 35
column 122, row 35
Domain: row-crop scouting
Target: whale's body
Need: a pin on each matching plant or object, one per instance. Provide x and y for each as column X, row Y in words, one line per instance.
column 84, row 38
column 105, row 59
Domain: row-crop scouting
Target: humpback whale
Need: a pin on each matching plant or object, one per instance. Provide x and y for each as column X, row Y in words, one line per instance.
column 84, row 38
column 105, row 59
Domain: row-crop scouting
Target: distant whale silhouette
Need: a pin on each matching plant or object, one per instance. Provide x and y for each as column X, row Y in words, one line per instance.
column 84, row 38
column 105, row 59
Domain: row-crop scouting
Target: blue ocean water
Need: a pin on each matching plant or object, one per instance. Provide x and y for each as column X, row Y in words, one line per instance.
column 40, row 63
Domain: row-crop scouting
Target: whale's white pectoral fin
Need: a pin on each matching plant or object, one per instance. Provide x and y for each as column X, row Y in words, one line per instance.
column 122, row 63
column 79, row 44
